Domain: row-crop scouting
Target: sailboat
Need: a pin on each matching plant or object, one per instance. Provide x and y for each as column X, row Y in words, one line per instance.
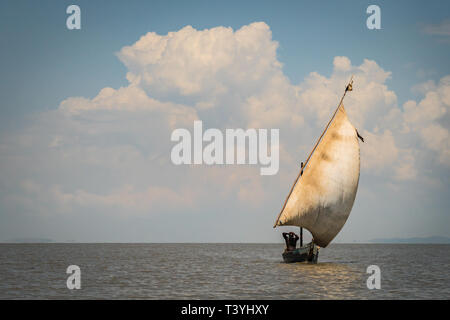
column 322, row 196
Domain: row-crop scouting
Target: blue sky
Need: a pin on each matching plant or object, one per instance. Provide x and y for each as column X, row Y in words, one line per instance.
column 43, row 64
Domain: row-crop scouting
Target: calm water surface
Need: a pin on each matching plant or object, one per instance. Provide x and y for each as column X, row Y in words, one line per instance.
column 222, row 271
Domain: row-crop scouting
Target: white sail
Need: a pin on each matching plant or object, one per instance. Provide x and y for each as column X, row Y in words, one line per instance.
column 323, row 196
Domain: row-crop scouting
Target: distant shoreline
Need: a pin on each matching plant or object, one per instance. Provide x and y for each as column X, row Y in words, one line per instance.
column 413, row 240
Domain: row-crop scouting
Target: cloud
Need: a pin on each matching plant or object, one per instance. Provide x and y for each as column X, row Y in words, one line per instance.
column 406, row 170
column 202, row 62
column 119, row 201
column 370, row 101
column 429, row 118
column 131, row 99
column 379, row 150
column 441, row 29
column 227, row 76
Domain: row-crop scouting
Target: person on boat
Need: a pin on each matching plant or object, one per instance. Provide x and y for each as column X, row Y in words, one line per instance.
column 291, row 240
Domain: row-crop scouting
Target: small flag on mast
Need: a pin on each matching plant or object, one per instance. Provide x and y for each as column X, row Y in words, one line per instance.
column 349, row 87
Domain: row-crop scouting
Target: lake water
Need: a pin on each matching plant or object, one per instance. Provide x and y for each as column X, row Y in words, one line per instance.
column 222, row 271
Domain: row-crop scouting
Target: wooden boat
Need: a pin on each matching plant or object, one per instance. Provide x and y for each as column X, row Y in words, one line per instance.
column 307, row 253
column 324, row 191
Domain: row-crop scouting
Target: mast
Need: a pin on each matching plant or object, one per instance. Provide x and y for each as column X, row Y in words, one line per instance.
column 347, row 88
column 301, row 237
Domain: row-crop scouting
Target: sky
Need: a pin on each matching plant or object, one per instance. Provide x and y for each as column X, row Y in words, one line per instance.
column 87, row 115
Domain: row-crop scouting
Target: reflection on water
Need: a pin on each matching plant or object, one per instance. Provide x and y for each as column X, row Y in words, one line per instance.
column 329, row 280
column 222, row 271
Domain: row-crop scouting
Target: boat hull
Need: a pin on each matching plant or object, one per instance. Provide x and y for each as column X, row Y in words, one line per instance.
column 308, row 253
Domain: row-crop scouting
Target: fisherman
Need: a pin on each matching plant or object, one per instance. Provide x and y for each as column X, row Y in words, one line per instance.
column 291, row 240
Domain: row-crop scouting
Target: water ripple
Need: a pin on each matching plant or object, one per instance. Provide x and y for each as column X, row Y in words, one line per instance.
column 221, row 271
